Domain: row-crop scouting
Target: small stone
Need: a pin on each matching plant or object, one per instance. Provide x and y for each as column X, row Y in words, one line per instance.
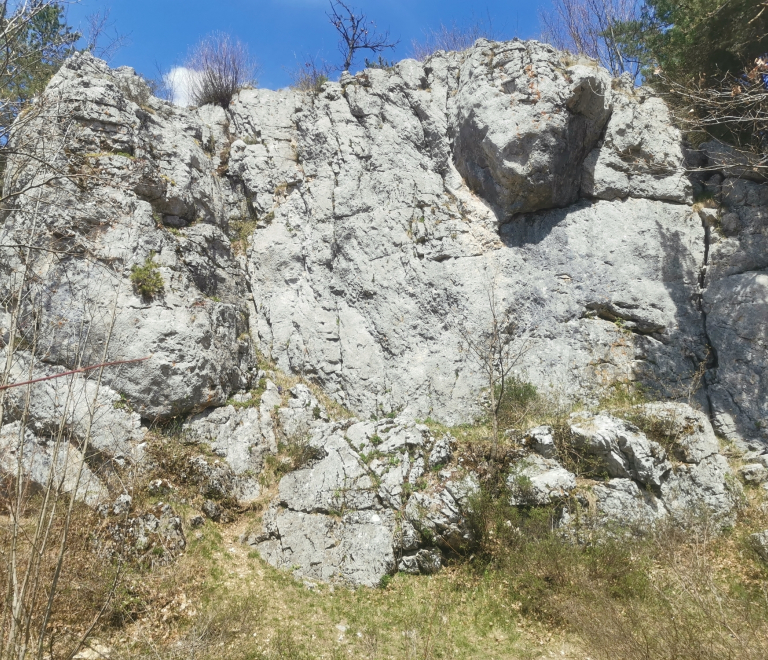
column 429, row 561
column 212, row 510
column 542, row 441
column 196, row 521
column 442, row 451
column 159, row 487
column 409, row 564
column 94, row 651
column 754, row 473
column 122, row 504
column 760, row 543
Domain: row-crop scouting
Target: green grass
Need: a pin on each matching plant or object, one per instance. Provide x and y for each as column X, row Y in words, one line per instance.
column 146, row 278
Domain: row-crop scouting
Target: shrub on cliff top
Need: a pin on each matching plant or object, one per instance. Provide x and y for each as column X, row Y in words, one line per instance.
column 221, row 67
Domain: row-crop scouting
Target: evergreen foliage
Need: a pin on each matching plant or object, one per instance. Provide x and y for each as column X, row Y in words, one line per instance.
column 697, row 39
column 147, row 278
column 35, row 41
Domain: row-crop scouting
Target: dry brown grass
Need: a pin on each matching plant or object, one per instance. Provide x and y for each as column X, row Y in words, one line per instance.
column 86, row 583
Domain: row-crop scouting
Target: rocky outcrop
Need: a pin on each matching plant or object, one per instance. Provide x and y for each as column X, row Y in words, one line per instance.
column 377, row 214
column 367, row 503
column 683, row 475
column 352, row 513
column 133, row 183
column 353, row 236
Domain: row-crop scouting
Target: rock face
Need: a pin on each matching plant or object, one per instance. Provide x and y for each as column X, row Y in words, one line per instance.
column 388, row 205
column 379, row 213
column 736, row 307
column 352, row 236
column 349, row 515
column 137, row 185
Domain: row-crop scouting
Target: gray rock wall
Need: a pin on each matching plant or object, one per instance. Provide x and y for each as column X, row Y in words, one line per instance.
column 347, row 234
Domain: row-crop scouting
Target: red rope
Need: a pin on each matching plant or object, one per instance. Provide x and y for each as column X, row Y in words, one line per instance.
column 74, row 371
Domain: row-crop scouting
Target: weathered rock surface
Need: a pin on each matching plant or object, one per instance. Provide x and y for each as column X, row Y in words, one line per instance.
column 377, row 211
column 640, row 154
column 621, row 449
column 346, row 234
column 759, row 542
column 735, row 301
column 366, row 503
column 538, row 481
column 347, row 515
column 136, row 161
column 685, row 480
column 372, row 241
column 42, row 461
column 88, row 410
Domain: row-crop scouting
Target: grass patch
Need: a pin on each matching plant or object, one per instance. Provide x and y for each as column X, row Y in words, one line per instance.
column 146, row 278
column 242, row 231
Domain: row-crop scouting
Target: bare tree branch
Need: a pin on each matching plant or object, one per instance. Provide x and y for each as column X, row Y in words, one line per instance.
column 588, row 27
column 103, row 39
column 356, row 33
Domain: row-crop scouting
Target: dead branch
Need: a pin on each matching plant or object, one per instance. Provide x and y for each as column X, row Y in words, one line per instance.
column 356, row 32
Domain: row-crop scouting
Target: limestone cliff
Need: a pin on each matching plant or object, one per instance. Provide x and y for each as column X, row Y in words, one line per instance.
column 346, row 235
column 380, row 210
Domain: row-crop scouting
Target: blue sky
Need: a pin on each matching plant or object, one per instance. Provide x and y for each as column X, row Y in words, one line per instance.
column 280, row 32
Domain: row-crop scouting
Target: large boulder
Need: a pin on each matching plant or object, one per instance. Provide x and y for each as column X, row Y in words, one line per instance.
column 523, row 124
column 363, row 505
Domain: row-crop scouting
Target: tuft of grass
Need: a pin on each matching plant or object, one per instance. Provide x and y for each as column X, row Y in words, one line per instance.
column 243, row 230
column 146, row 278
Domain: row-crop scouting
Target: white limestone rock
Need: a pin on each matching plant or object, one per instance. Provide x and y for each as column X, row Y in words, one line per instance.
column 759, row 542
column 542, row 441
column 43, row 459
column 640, row 155
column 152, row 165
column 114, row 432
column 622, row 449
column 539, row 481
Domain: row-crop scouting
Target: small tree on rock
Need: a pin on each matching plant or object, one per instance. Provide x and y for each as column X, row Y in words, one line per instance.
column 356, row 33
column 496, row 352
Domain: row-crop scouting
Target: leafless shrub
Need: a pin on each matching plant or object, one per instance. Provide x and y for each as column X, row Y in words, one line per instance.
column 588, row 27
column 356, row 33
column 220, row 67
column 733, row 109
column 450, row 38
column 497, row 347
column 311, row 75
column 103, row 39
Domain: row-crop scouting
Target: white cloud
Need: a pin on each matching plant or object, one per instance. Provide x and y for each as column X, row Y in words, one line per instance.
column 179, row 81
